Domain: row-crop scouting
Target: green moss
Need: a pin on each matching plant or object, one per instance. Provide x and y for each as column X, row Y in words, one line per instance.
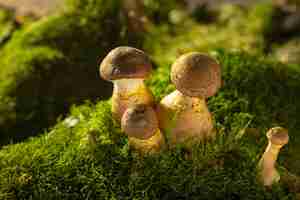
column 7, row 25
column 258, row 93
column 267, row 91
column 52, row 63
column 58, row 165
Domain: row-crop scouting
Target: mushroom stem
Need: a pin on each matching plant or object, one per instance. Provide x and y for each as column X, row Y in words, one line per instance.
column 124, row 85
column 268, row 173
column 185, row 119
column 128, row 92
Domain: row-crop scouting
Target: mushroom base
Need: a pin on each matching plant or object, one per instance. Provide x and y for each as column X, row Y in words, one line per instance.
column 268, row 177
column 185, row 120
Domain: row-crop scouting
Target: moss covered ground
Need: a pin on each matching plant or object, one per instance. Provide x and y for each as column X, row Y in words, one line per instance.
column 258, row 92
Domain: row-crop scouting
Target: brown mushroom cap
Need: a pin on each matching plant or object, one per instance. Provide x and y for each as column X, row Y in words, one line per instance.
column 139, row 121
column 196, row 75
column 124, row 63
column 278, row 136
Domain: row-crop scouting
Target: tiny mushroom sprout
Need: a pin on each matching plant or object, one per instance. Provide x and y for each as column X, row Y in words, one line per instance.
column 277, row 137
column 140, row 123
column 183, row 115
column 127, row 67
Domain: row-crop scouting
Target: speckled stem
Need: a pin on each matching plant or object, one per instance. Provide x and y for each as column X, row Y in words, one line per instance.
column 184, row 119
column 128, row 92
column 268, row 172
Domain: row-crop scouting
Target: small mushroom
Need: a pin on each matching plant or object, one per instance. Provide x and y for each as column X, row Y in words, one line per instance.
column 127, row 67
column 278, row 137
column 183, row 114
column 140, row 123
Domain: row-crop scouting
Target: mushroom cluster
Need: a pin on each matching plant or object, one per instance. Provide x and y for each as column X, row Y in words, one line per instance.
column 132, row 101
column 182, row 117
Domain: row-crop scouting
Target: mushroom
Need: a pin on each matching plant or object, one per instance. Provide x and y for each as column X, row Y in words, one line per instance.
column 140, row 123
column 127, row 67
column 183, row 115
column 278, row 137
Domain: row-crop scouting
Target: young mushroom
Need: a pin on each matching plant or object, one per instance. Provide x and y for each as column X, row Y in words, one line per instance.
column 183, row 114
column 278, row 137
column 127, row 67
column 140, row 123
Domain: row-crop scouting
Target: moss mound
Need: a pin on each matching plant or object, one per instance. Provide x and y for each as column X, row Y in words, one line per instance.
column 65, row 163
column 61, row 164
column 51, row 64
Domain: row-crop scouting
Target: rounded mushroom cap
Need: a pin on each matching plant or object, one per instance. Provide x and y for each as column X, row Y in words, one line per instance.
column 124, row 63
column 196, row 75
column 139, row 121
column 278, row 136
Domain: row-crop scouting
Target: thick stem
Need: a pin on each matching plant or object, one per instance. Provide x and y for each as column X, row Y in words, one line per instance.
column 184, row 119
column 126, row 85
column 128, row 92
column 267, row 168
column 270, row 155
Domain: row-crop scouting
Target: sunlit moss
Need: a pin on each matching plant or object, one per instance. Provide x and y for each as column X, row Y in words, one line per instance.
column 7, row 25
column 57, row 165
column 257, row 93
column 32, row 92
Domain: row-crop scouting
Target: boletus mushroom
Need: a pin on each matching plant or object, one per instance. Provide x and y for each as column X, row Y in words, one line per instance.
column 140, row 123
column 277, row 138
column 127, row 67
column 183, row 114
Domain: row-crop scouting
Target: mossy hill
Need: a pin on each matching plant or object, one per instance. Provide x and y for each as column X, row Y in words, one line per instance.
column 61, row 164
column 52, row 63
column 257, row 93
